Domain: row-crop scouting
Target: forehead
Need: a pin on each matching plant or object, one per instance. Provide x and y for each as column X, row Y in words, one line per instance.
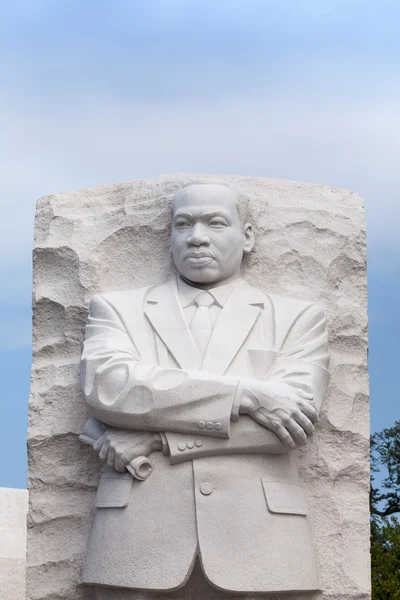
column 205, row 198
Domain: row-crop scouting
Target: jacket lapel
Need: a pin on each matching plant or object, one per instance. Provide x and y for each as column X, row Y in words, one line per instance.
column 164, row 311
column 232, row 327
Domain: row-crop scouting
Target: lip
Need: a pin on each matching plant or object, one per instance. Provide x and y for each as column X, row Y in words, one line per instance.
column 198, row 254
column 200, row 261
column 199, row 258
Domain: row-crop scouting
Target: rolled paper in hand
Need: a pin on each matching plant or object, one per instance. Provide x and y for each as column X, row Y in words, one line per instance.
column 140, row 467
column 92, row 431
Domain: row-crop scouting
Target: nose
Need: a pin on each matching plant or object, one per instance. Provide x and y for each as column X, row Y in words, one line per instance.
column 198, row 236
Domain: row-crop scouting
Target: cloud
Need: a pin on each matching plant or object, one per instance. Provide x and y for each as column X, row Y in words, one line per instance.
column 306, row 134
column 308, row 94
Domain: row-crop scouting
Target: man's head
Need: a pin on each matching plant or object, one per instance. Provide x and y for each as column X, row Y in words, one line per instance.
column 208, row 238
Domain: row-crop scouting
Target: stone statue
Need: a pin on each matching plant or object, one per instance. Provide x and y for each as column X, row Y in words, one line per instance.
column 202, row 388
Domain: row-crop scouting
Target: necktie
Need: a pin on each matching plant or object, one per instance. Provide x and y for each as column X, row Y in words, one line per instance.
column 201, row 325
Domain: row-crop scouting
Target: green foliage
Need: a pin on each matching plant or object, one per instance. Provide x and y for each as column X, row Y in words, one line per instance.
column 385, row 559
column 385, row 452
column 385, row 502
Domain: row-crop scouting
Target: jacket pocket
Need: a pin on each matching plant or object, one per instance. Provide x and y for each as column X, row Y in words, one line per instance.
column 284, row 497
column 114, row 490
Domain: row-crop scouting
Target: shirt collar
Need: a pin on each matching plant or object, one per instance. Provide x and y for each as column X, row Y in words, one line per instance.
column 188, row 293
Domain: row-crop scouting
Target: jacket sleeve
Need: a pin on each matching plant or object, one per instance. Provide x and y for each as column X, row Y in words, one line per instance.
column 125, row 392
column 246, row 437
column 302, row 360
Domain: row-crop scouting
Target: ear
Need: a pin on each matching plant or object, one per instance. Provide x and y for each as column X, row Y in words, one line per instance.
column 248, row 235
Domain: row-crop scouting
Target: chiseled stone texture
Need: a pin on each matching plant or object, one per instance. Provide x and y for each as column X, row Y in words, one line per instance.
column 310, row 244
column 13, row 510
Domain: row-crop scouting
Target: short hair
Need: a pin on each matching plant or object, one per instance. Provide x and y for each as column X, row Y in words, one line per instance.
column 242, row 204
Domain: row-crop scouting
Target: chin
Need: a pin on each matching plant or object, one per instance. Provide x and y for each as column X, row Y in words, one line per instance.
column 201, row 276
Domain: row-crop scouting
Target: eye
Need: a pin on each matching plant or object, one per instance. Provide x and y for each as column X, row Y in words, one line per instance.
column 181, row 223
column 218, row 223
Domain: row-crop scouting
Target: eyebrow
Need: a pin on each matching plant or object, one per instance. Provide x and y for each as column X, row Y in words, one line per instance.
column 215, row 213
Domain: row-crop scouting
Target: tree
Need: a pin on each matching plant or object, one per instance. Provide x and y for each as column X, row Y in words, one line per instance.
column 385, row 559
column 385, row 452
column 385, row 502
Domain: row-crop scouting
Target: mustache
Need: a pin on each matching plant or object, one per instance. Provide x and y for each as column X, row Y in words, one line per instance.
column 199, row 254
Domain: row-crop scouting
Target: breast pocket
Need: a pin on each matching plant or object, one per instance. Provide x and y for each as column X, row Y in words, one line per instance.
column 114, row 490
column 284, row 497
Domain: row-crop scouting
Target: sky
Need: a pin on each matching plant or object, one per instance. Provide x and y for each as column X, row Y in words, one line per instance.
column 98, row 92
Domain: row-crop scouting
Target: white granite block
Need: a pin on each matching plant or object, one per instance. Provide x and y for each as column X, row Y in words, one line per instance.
column 310, row 245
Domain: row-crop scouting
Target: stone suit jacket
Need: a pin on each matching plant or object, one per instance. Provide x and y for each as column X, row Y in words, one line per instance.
column 228, row 489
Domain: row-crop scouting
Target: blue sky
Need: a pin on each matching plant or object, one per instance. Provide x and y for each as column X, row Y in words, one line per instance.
column 100, row 92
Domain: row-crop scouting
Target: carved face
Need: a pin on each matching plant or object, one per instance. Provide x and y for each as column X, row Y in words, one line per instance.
column 208, row 240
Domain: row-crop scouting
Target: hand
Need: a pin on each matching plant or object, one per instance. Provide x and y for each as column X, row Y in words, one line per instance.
column 284, row 409
column 119, row 446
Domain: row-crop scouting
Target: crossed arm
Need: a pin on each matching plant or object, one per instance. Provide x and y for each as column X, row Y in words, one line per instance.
column 133, row 397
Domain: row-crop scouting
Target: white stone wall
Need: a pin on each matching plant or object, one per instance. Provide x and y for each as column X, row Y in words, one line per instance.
column 310, row 244
column 13, row 510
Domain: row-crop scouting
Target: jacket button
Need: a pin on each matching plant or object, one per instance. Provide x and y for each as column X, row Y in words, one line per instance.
column 206, row 489
column 181, row 445
column 218, row 425
column 201, row 424
column 210, row 425
column 190, row 445
column 199, row 443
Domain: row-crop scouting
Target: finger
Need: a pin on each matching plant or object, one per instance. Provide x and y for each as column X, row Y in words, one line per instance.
column 119, row 463
column 98, row 443
column 304, row 422
column 262, row 419
column 130, row 454
column 283, row 434
column 305, row 395
column 104, row 450
column 142, row 449
column 308, row 410
column 111, row 456
column 277, row 428
column 297, row 432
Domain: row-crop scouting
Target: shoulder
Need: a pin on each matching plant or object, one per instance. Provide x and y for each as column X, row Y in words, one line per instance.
column 119, row 301
column 292, row 312
column 281, row 306
column 294, row 306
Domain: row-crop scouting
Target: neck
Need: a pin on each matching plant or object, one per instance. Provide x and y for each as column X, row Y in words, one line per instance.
column 211, row 285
